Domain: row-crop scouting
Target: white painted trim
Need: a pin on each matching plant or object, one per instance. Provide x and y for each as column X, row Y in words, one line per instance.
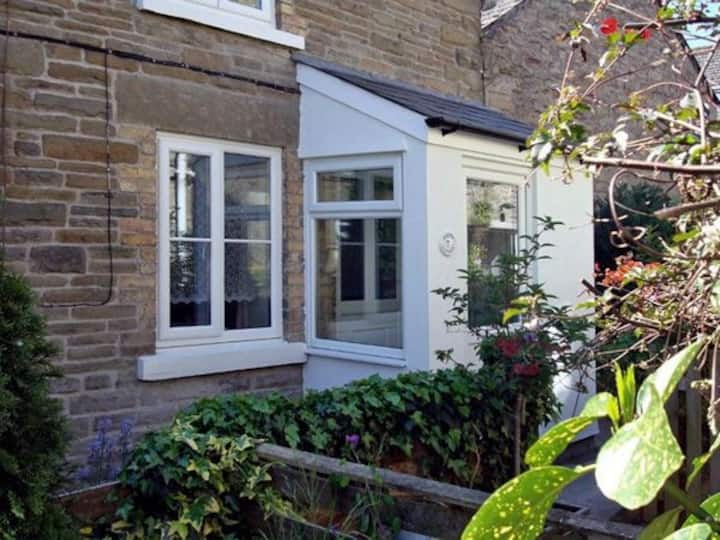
column 209, row 359
column 215, row 333
column 362, row 101
column 372, row 161
column 259, row 24
column 362, row 358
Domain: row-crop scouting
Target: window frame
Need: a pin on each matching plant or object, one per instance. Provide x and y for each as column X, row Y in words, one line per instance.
column 523, row 221
column 260, row 23
column 316, row 210
column 168, row 336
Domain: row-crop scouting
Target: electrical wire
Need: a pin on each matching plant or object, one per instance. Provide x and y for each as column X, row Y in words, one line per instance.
column 152, row 60
column 7, row 33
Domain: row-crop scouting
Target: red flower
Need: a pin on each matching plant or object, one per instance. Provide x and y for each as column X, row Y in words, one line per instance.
column 526, row 370
column 609, row 26
column 509, row 347
column 646, row 34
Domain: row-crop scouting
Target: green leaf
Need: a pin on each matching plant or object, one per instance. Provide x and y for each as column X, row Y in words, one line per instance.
column 511, row 313
column 556, row 439
column 626, row 390
column 699, row 462
column 701, row 531
column 292, row 435
column 712, row 506
column 666, row 377
column 635, row 463
column 662, row 525
column 518, row 509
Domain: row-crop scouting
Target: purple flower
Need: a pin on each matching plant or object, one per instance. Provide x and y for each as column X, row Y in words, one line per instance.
column 104, row 424
column 83, row 473
column 353, row 440
column 126, row 427
column 530, row 337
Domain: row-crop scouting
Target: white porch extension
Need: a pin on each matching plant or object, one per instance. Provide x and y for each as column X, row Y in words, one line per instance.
column 388, row 171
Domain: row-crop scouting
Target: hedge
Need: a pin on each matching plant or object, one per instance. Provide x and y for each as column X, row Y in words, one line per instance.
column 454, row 425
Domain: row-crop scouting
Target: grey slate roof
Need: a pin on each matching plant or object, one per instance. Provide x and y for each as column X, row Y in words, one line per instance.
column 441, row 111
column 497, row 10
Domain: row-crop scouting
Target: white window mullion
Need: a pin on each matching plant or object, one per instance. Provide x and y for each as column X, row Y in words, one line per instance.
column 217, row 264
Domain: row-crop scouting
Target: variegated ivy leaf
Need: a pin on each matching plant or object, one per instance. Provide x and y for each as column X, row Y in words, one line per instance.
column 666, row 378
column 662, row 525
column 701, row 531
column 635, row 463
column 518, row 510
column 699, row 462
column 556, row 439
column 712, row 506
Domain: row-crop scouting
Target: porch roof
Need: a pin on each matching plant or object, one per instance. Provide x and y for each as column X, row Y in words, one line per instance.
column 440, row 111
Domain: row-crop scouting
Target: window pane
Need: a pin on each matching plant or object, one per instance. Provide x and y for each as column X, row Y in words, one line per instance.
column 492, row 233
column 247, row 286
column 189, row 284
column 247, row 197
column 387, row 283
column 189, row 195
column 358, row 283
column 348, row 186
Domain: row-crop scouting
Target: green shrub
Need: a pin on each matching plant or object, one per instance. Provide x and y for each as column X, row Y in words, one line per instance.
column 454, row 425
column 186, row 484
column 33, row 437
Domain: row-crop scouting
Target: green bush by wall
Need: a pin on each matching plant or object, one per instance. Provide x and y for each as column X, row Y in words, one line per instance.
column 454, row 425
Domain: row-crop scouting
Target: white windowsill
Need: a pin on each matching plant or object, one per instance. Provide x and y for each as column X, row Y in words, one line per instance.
column 225, row 20
column 356, row 357
column 177, row 363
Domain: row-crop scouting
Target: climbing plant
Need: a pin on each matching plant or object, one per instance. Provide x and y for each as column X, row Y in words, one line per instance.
column 667, row 133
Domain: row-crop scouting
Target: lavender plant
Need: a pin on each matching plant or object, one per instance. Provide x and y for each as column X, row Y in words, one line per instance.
column 107, row 455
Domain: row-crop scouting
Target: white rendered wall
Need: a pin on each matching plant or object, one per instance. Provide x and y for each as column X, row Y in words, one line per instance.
column 452, row 160
column 572, row 258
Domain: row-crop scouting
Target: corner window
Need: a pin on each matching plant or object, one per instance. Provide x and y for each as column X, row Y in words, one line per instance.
column 219, row 241
column 493, row 230
column 355, row 246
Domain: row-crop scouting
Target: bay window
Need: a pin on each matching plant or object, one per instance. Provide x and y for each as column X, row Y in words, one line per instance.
column 219, row 241
column 355, row 253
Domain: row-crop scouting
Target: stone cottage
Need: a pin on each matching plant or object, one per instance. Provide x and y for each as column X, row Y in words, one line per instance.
column 252, row 195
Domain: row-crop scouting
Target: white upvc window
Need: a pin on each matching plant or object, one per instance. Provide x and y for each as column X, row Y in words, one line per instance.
column 354, row 253
column 496, row 214
column 254, row 18
column 219, row 241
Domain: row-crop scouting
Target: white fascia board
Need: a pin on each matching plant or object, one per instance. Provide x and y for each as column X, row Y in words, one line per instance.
column 367, row 103
column 225, row 20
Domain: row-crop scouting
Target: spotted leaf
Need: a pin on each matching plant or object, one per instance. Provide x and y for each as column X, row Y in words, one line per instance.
column 712, row 506
column 666, row 377
column 635, row 463
column 518, row 510
column 701, row 531
column 556, row 439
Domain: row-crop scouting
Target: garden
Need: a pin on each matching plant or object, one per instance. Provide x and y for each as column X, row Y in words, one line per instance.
column 455, row 453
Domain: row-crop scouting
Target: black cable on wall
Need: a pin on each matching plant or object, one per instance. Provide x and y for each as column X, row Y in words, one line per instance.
column 7, row 33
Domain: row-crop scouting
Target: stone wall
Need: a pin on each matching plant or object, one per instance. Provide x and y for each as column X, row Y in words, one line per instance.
column 56, row 201
column 525, row 60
